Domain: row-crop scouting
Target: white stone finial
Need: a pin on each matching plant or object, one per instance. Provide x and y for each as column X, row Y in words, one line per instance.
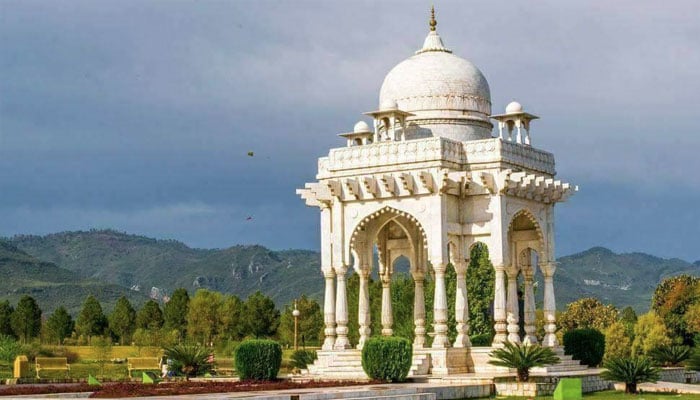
column 514, row 107
column 361, row 127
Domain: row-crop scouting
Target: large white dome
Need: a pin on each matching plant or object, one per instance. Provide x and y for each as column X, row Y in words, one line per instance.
column 448, row 95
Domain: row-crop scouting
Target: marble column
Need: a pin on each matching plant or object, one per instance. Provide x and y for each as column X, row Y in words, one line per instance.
column 440, row 341
column 462, row 307
column 513, row 311
column 550, row 319
column 341, row 310
column 419, row 310
column 329, row 311
column 499, row 306
column 529, row 305
column 387, row 313
column 363, row 314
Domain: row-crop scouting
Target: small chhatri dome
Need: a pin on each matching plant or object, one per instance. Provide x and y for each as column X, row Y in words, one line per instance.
column 361, row 127
column 447, row 94
column 514, row 107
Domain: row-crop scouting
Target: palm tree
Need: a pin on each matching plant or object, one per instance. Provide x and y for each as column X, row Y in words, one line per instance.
column 522, row 358
column 670, row 356
column 631, row 371
column 191, row 359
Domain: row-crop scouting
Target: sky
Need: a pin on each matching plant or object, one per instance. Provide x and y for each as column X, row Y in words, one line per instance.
column 138, row 115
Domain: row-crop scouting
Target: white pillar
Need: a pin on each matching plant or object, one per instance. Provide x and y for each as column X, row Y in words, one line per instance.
column 329, row 311
column 529, row 305
column 462, row 307
column 550, row 319
column 387, row 313
column 499, row 306
column 513, row 317
column 440, row 341
column 363, row 314
column 419, row 310
column 341, row 310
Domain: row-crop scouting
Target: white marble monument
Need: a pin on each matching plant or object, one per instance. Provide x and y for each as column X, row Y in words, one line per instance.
column 427, row 181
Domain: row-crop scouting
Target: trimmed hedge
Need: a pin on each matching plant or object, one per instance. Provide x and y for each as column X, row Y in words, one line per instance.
column 586, row 345
column 387, row 358
column 258, row 359
column 302, row 358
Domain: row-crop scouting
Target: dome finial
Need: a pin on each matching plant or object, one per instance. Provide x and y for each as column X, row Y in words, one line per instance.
column 433, row 22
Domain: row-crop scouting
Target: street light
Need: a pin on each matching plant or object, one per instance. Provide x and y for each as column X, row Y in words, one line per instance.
column 295, row 313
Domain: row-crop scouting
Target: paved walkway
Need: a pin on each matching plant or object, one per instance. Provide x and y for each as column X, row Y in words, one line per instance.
column 685, row 388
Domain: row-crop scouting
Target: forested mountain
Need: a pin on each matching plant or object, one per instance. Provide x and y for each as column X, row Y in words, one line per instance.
column 73, row 263
column 51, row 285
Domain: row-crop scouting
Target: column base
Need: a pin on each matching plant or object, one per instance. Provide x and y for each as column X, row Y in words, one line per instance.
column 449, row 361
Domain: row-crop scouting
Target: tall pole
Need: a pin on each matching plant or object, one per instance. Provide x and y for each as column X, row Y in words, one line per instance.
column 295, row 313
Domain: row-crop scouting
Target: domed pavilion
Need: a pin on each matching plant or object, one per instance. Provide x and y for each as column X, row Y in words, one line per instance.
column 425, row 181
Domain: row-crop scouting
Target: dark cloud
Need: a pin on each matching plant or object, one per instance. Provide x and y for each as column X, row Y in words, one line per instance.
column 139, row 115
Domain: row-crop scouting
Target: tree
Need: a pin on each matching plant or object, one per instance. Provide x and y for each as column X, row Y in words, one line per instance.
column 260, row 316
column 175, row 311
column 522, row 357
column 6, row 311
column 149, row 316
column 230, row 326
column 103, row 352
column 649, row 333
column 26, row 319
column 672, row 298
column 480, row 290
column 203, row 315
column 59, row 325
column 628, row 317
column 617, row 341
column 91, row 320
column 310, row 322
column 588, row 312
column 122, row 320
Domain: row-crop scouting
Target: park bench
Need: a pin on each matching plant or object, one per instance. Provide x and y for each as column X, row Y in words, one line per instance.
column 51, row 364
column 224, row 366
column 143, row 364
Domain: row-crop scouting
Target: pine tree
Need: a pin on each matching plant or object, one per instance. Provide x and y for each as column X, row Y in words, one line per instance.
column 91, row 320
column 6, row 311
column 230, row 326
column 122, row 320
column 260, row 315
column 310, row 323
column 149, row 316
column 59, row 325
column 175, row 312
column 26, row 319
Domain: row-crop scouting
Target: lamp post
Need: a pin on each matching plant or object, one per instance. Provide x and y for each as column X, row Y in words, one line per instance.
column 295, row 313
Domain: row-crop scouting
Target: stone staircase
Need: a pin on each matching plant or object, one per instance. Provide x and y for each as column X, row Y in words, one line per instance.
column 566, row 364
column 341, row 365
column 420, row 365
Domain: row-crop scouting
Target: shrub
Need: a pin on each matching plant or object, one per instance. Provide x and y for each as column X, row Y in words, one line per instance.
column 670, row 356
column 586, row 345
column 9, row 348
column 302, row 358
column 258, row 359
column 387, row 358
column 523, row 357
column 483, row 340
column 631, row 371
column 693, row 362
column 190, row 359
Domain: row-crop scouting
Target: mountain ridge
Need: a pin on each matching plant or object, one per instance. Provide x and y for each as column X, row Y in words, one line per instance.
column 155, row 267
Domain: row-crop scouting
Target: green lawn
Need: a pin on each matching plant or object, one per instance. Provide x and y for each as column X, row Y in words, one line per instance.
column 616, row 395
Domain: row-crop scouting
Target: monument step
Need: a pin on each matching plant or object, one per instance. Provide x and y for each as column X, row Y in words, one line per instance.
column 411, row 396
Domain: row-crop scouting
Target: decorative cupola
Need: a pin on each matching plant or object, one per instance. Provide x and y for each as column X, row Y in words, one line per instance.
column 515, row 118
column 386, row 121
column 360, row 135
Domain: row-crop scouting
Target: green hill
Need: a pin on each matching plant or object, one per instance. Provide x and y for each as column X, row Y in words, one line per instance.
column 157, row 267
column 51, row 285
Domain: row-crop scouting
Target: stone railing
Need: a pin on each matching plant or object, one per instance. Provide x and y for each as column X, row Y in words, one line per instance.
column 437, row 149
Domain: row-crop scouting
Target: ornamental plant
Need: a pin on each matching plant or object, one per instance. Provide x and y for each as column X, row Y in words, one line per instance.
column 302, row 358
column 522, row 358
column 258, row 359
column 632, row 371
column 387, row 358
column 586, row 345
column 670, row 356
column 189, row 359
